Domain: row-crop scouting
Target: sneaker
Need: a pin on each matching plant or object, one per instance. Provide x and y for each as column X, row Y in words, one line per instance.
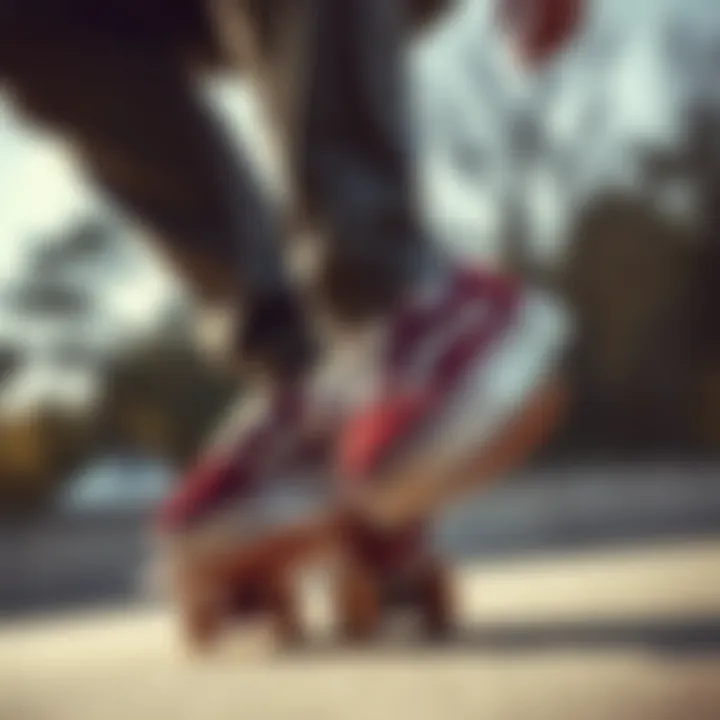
column 429, row 384
column 231, row 489
column 455, row 363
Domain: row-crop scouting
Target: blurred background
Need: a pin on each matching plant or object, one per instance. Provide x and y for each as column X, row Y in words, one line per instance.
column 598, row 176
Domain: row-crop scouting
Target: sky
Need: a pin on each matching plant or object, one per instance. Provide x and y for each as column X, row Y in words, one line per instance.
column 38, row 188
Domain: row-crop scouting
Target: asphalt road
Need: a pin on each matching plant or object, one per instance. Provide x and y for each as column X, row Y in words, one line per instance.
column 61, row 561
column 592, row 636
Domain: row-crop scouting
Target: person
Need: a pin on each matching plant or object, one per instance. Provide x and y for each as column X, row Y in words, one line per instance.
column 446, row 432
column 116, row 80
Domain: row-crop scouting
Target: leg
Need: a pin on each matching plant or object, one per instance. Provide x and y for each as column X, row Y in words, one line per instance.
column 128, row 108
column 334, row 74
column 356, row 159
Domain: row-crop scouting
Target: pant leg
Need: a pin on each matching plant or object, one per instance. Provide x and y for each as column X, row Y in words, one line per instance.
column 112, row 79
column 122, row 99
column 338, row 83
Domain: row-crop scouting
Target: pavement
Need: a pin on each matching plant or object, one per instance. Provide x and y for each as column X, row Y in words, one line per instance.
column 61, row 560
column 629, row 634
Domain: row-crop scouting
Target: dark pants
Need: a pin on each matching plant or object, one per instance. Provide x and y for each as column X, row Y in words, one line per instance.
column 116, row 79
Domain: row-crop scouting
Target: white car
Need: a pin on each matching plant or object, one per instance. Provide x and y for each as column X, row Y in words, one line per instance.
column 118, row 484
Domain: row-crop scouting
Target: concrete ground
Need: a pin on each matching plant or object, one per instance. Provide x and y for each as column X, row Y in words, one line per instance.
column 630, row 635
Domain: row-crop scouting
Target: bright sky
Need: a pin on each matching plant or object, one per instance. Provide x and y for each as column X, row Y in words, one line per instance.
column 38, row 189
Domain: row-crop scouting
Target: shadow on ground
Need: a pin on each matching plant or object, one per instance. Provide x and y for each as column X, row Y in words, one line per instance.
column 674, row 638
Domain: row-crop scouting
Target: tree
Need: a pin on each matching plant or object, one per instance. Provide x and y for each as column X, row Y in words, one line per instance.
column 164, row 398
column 632, row 278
